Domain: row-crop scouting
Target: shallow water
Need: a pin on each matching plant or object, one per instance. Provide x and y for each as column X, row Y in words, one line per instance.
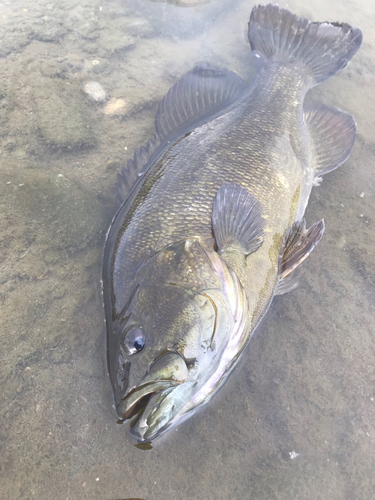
column 296, row 418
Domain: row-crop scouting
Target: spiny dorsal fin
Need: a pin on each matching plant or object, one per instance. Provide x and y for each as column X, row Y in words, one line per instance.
column 128, row 176
column 332, row 134
column 298, row 243
column 237, row 220
column 203, row 90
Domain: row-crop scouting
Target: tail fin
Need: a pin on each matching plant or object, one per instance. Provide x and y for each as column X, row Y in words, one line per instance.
column 324, row 47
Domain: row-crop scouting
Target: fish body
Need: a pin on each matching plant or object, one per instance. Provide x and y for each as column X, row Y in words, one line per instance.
column 211, row 225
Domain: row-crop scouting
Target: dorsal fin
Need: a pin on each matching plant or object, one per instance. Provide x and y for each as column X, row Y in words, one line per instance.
column 203, row 91
column 237, row 220
column 332, row 134
column 128, row 176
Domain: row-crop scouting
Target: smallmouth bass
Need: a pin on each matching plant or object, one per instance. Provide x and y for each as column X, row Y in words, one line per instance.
column 210, row 226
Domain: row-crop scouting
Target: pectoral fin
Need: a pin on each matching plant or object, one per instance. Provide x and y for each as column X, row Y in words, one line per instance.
column 237, row 220
column 298, row 243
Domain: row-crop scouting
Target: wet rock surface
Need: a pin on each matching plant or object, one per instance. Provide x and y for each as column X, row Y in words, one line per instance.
column 296, row 419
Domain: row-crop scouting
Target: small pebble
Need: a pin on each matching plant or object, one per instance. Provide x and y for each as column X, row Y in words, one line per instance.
column 362, row 195
column 95, row 91
column 115, row 107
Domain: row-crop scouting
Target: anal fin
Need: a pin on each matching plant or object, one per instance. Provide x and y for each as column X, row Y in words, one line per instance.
column 332, row 136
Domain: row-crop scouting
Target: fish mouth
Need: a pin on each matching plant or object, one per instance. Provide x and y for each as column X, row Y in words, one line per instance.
column 154, row 417
column 167, row 371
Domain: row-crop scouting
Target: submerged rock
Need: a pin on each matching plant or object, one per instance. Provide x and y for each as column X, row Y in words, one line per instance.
column 95, row 91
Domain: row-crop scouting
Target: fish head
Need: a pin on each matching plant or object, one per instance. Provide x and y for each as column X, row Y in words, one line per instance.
column 179, row 323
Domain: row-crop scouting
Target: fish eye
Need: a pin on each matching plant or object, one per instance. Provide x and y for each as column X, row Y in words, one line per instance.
column 134, row 340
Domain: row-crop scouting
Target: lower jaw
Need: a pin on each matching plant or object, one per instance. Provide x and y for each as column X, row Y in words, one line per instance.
column 136, row 410
column 144, row 435
column 141, row 428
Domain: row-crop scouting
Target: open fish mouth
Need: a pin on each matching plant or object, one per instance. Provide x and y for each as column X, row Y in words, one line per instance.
column 153, row 417
column 136, row 401
column 167, row 371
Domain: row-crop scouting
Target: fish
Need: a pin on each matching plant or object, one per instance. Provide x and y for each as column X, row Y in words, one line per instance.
column 210, row 225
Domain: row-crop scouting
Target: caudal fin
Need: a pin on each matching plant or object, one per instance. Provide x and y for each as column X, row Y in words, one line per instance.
column 323, row 47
